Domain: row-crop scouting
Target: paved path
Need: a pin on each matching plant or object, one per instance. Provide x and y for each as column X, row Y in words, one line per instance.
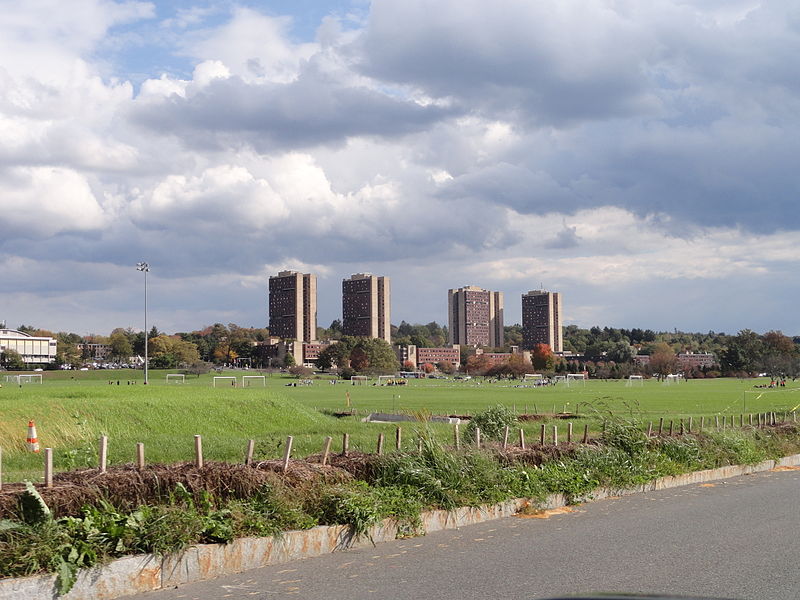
column 738, row 538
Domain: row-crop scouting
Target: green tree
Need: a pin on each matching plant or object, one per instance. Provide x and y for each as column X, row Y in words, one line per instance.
column 121, row 348
column 12, row 360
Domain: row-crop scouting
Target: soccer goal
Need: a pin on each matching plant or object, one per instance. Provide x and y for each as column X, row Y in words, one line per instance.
column 560, row 380
column 37, row 378
column 12, row 378
column 670, row 379
column 359, row 380
column 635, row 380
column 249, row 380
column 533, row 376
column 575, row 377
column 176, row 378
column 385, row 379
column 220, row 378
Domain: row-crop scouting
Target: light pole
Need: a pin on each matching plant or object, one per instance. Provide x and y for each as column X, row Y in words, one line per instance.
column 144, row 268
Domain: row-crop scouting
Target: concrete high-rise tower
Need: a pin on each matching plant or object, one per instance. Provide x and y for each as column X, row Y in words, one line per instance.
column 475, row 317
column 366, row 306
column 541, row 320
column 293, row 306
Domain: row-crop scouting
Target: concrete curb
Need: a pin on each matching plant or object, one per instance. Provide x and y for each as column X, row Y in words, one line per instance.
column 147, row 572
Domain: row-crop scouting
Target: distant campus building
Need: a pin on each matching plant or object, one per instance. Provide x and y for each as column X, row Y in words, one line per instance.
column 34, row 350
column 366, row 306
column 475, row 317
column 541, row 320
column 293, row 306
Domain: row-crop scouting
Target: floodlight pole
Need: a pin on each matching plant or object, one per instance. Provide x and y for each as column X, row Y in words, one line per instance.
column 144, row 268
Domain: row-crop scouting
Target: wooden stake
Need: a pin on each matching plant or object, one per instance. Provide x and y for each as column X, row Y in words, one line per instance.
column 586, row 433
column 544, row 432
column 716, row 421
column 326, row 450
column 103, row 453
column 398, row 437
column 505, row 438
column 522, row 438
column 750, row 419
column 345, row 443
column 650, row 429
column 248, row 457
column 555, row 435
column 48, row 467
column 724, row 421
column 380, row 444
column 702, row 423
column 741, row 420
column 569, row 432
column 1, row 468
column 681, row 430
column 287, row 453
column 140, row 456
column 690, row 424
column 456, row 436
column 671, row 423
column 419, row 445
column 477, row 437
column 660, row 426
column 794, row 416
column 198, row 451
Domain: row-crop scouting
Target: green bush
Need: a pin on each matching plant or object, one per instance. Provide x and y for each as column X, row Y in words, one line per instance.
column 492, row 422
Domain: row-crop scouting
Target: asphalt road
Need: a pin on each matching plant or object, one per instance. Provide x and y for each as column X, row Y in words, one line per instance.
column 738, row 538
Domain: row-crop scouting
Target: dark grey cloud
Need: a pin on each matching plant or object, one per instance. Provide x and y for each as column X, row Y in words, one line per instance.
column 283, row 116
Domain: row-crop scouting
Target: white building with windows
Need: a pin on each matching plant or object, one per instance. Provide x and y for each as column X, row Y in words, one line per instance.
column 34, row 350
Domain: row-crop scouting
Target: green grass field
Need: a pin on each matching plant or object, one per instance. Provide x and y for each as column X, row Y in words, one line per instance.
column 72, row 409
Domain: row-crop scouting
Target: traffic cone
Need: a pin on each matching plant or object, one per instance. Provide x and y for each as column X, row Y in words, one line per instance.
column 32, row 441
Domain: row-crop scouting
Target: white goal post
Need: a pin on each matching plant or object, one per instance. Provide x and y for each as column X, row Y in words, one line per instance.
column 576, row 377
column 560, row 379
column 247, row 379
column 176, row 377
column 534, row 376
column 386, row 378
column 12, row 378
column 633, row 380
column 216, row 377
column 359, row 380
column 670, row 379
column 29, row 378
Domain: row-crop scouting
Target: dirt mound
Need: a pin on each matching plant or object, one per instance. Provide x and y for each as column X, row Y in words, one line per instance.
column 127, row 487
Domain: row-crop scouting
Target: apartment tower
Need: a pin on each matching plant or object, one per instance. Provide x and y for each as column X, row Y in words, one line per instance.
column 293, row 306
column 475, row 317
column 541, row 320
column 366, row 306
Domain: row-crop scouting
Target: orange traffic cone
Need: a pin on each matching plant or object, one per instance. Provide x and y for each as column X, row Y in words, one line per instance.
column 33, row 441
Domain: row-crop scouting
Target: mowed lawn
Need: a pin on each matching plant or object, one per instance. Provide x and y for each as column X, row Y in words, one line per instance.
column 72, row 409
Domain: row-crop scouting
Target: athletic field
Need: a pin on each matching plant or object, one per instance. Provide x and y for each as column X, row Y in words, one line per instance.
column 73, row 408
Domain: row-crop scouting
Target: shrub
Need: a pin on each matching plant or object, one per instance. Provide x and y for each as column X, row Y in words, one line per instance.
column 492, row 422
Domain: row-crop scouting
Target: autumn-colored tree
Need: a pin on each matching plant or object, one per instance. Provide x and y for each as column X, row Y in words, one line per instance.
column 446, row 367
column 478, row 364
column 542, row 357
column 428, row 368
column 409, row 365
column 663, row 360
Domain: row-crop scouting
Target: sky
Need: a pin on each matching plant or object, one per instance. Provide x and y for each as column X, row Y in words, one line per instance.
column 641, row 158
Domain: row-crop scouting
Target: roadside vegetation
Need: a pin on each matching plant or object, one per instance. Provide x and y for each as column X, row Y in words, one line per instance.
column 89, row 518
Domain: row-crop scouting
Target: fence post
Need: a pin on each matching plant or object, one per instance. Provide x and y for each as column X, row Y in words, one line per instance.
column 477, row 437
column 585, row 433
column 660, row 426
column 345, row 444
column 794, row 416
column 555, row 435
column 505, row 437
column 702, row 423
column 671, row 424
column 1, row 468
column 716, row 421
column 750, row 419
column 650, row 429
column 522, row 438
column 326, row 450
column 248, row 457
column 140, row 455
column 103, row 453
column 569, row 432
column 287, row 453
column 690, row 425
column 380, row 444
column 48, row 467
column 456, row 436
column 398, row 437
column 544, row 432
column 681, row 430
column 198, row 451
